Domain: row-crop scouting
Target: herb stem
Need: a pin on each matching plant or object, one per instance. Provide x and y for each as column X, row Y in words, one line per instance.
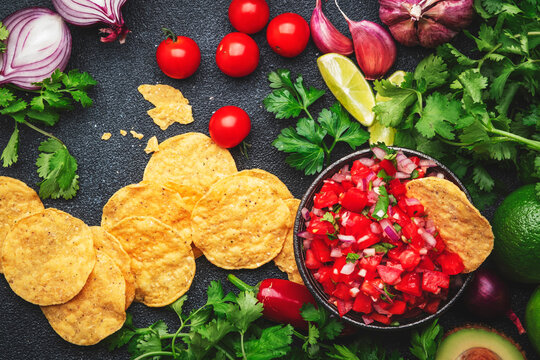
column 508, row 98
column 532, row 144
column 308, row 113
column 154, row 353
column 33, row 127
column 225, row 352
column 169, row 336
column 242, row 346
column 481, row 61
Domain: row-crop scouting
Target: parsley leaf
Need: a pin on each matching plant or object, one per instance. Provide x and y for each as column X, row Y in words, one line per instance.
column 352, row 257
column 58, row 170
column 273, row 343
column 4, row 33
column 381, row 206
column 10, row 155
column 424, row 344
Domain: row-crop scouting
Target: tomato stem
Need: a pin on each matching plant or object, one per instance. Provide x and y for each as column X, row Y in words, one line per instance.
column 169, row 34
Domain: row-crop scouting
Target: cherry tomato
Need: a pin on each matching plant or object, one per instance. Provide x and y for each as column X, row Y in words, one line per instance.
column 249, row 16
column 237, row 55
column 229, row 126
column 178, row 56
column 288, row 34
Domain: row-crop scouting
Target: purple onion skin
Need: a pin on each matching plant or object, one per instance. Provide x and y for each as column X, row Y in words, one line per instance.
column 487, row 296
column 20, row 71
column 427, row 23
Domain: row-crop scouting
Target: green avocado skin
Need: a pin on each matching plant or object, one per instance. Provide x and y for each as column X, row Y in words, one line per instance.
column 456, row 343
column 532, row 319
column 517, row 236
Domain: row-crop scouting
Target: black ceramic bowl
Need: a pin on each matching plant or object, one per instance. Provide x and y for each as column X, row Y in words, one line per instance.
column 457, row 283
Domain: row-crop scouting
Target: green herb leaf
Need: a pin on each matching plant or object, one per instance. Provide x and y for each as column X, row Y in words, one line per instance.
column 383, row 247
column 10, row 155
column 304, row 156
column 352, row 257
column 381, row 206
column 431, row 72
column 424, row 344
column 273, row 343
column 4, row 33
column 249, row 310
column 58, row 170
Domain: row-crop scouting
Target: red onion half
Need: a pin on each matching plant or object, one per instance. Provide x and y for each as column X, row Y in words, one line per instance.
column 425, row 22
column 39, row 42
column 90, row 12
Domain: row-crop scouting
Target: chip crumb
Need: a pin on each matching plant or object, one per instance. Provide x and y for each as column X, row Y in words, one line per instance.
column 106, row 136
column 170, row 105
column 152, row 145
column 123, row 132
column 136, row 135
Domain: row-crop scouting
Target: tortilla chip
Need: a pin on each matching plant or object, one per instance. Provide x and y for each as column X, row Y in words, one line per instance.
column 240, row 223
column 110, row 246
column 285, row 260
column 16, row 201
column 281, row 189
column 97, row 311
column 152, row 145
column 191, row 159
column 170, row 105
column 461, row 226
column 48, row 256
column 148, row 199
column 161, row 260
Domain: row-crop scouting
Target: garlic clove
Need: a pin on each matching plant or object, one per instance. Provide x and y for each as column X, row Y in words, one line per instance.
column 325, row 35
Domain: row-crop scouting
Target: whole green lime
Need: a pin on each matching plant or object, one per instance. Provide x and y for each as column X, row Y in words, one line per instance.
column 516, row 226
column 532, row 319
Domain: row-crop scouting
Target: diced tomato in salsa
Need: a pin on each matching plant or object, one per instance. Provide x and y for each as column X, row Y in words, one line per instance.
column 394, row 272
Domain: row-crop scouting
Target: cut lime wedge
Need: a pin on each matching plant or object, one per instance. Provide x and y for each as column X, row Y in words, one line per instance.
column 348, row 85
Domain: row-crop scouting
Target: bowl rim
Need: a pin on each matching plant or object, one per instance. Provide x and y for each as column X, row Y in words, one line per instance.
column 311, row 283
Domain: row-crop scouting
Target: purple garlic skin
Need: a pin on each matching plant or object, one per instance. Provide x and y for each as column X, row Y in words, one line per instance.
column 326, row 37
column 428, row 23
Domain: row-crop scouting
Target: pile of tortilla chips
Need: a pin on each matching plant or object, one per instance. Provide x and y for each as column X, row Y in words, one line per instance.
column 192, row 201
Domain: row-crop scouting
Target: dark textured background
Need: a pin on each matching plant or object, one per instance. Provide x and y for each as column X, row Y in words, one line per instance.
column 106, row 166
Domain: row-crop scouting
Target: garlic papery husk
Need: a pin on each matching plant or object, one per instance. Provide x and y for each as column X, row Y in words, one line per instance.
column 326, row 37
column 374, row 47
column 425, row 22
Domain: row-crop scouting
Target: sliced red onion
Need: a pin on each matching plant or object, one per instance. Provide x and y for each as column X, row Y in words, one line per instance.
column 307, row 244
column 348, row 268
column 401, row 175
column 39, row 42
column 371, row 176
column 372, row 197
column 419, row 221
column 362, row 184
column 427, row 163
column 440, row 175
column 430, row 226
column 346, row 238
column 367, row 161
column 345, row 169
column 412, row 201
column 423, row 251
column 389, row 229
column 305, row 235
column 390, row 210
column 345, row 217
column 317, row 212
column 354, row 291
column 369, row 252
column 339, row 177
column 336, row 252
column 362, row 273
column 377, row 182
column 305, row 214
column 367, row 320
column 378, row 308
column 90, row 12
column 428, row 238
column 378, row 152
column 404, row 164
column 375, row 228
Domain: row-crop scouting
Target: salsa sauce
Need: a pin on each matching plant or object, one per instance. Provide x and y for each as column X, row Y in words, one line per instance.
column 371, row 248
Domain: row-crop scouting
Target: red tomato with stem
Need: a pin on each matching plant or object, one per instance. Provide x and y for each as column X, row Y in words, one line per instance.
column 229, row 126
column 249, row 16
column 178, row 56
column 288, row 34
column 237, row 55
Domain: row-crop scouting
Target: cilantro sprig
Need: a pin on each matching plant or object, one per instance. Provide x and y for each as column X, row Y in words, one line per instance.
column 310, row 143
column 56, row 166
column 470, row 111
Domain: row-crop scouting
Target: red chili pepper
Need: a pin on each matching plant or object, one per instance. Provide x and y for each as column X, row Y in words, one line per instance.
column 282, row 299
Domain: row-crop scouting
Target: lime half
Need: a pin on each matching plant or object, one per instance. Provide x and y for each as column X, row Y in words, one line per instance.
column 348, row 85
